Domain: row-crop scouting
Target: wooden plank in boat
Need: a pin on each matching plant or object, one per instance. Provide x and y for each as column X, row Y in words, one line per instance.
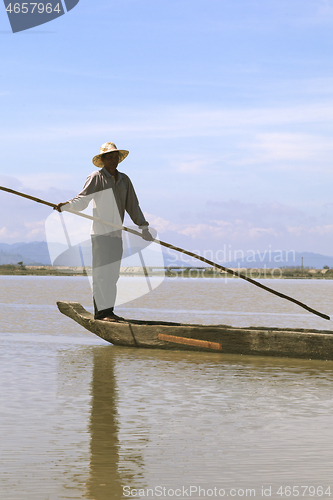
column 194, row 342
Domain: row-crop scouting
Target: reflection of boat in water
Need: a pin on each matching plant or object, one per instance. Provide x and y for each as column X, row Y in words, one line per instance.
column 283, row 342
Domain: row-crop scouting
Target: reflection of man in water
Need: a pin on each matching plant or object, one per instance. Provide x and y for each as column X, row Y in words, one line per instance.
column 112, row 193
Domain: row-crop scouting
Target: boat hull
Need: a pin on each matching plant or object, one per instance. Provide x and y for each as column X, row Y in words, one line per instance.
column 282, row 342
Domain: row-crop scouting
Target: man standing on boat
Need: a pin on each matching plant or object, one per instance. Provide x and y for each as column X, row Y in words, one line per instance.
column 112, row 193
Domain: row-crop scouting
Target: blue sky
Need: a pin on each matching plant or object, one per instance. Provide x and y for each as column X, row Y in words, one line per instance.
column 226, row 109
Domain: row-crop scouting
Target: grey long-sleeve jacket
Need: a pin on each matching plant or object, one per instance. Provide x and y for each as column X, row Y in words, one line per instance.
column 110, row 201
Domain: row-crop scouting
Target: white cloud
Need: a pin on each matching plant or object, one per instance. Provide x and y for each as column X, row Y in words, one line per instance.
column 35, row 230
column 176, row 121
column 205, row 138
column 215, row 229
column 213, row 224
column 227, row 231
column 191, row 166
column 290, row 147
column 260, row 231
column 243, row 233
column 277, row 138
column 202, row 231
column 8, row 235
column 319, row 230
column 44, row 180
column 160, row 224
column 8, row 181
column 257, row 214
column 223, row 223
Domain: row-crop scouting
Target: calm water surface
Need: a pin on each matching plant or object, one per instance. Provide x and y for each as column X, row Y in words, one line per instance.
column 83, row 419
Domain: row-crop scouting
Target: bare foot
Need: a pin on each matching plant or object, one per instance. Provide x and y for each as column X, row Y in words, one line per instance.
column 112, row 318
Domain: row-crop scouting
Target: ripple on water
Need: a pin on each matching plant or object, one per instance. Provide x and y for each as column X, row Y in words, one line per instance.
column 81, row 419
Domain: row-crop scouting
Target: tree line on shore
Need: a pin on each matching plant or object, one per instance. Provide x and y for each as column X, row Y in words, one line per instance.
column 185, row 272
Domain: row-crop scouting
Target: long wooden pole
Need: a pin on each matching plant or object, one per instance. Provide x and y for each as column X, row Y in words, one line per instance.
column 178, row 249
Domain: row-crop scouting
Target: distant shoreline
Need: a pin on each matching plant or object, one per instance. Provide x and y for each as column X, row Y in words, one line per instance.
column 194, row 272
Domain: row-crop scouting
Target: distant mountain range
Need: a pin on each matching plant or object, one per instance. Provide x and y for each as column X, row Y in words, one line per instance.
column 28, row 253
column 37, row 253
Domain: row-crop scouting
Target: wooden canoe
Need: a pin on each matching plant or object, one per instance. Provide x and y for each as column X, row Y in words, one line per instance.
column 282, row 342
